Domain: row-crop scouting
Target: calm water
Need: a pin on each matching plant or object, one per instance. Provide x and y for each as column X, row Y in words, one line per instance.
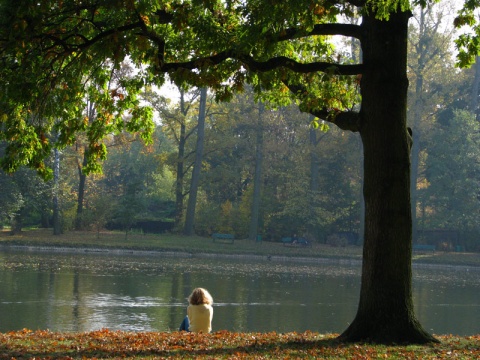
column 83, row 292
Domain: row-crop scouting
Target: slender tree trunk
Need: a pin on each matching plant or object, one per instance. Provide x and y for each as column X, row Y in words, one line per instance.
column 417, row 115
column 192, row 197
column 385, row 312
column 81, row 176
column 57, row 230
column 81, row 193
column 182, row 140
column 314, row 182
column 475, row 88
column 254, row 219
column 314, row 170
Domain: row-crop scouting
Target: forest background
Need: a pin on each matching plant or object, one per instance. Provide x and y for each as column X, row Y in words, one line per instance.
column 266, row 171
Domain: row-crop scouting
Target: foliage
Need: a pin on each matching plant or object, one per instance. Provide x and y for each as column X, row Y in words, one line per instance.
column 468, row 42
column 452, row 169
column 228, row 171
column 103, row 344
column 436, row 89
column 287, row 203
column 24, row 197
column 10, row 198
column 69, row 52
column 46, row 91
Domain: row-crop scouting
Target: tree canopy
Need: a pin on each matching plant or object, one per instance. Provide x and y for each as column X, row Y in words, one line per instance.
column 56, row 54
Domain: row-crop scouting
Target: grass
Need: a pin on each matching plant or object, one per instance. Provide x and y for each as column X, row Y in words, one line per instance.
column 196, row 244
column 105, row 344
column 170, row 242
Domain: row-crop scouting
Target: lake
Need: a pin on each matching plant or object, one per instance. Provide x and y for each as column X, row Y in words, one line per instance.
column 90, row 291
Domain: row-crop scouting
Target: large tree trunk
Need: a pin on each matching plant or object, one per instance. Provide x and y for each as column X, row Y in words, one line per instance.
column 385, row 312
column 192, row 196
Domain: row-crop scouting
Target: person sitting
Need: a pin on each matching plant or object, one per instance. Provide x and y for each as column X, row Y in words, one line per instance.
column 199, row 312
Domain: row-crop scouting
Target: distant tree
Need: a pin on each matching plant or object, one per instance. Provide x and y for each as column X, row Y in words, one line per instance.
column 129, row 180
column 129, row 206
column 450, row 197
column 180, row 125
column 430, row 64
column 257, row 178
column 24, row 197
column 10, row 199
column 197, row 166
column 475, row 88
column 57, row 228
column 82, row 160
column 225, row 174
column 102, row 209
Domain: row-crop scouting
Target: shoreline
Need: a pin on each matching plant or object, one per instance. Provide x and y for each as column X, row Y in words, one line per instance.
column 181, row 254
column 205, row 255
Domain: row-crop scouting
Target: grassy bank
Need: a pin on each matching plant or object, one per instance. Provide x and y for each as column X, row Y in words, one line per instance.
column 170, row 242
column 195, row 244
column 105, row 344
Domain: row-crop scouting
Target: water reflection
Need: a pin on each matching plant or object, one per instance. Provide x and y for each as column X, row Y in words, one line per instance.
column 73, row 292
column 447, row 299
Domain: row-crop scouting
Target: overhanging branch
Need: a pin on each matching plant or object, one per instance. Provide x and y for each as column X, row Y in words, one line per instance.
column 303, row 68
column 345, row 120
column 263, row 66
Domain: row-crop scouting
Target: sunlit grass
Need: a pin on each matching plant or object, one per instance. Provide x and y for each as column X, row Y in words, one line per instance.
column 103, row 344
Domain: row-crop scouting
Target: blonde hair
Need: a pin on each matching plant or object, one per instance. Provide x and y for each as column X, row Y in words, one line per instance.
column 200, row 296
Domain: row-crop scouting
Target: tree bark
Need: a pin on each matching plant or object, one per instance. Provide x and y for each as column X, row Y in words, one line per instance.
column 192, row 196
column 385, row 313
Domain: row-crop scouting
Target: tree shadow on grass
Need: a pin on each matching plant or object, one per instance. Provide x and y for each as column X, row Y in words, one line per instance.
column 275, row 350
